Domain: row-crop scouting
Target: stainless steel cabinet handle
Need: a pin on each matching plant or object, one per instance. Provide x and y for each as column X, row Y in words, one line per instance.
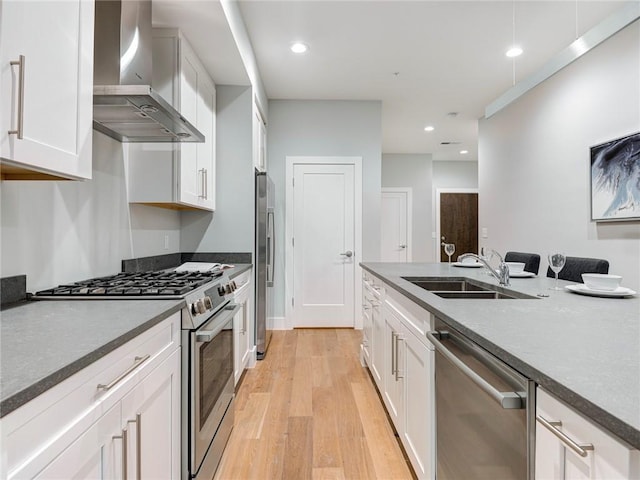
column 347, row 254
column 399, row 374
column 137, row 362
column 508, row 400
column 393, row 353
column 19, row 130
column 206, row 183
column 580, row 448
column 138, row 422
column 201, row 171
column 124, row 451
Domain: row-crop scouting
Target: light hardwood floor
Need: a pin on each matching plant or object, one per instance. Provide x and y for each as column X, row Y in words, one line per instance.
column 309, row 410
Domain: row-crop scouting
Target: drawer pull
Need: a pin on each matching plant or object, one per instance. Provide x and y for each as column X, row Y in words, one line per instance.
column 19, row 130
column 123, row 437
column 580, row 448
column 138, row 361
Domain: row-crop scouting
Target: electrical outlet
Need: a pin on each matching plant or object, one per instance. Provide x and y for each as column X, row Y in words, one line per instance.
column 166, row 242
column 485, row 232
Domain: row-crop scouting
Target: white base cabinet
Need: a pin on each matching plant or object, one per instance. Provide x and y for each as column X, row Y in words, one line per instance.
column 46, row 89
column 401, row 362
column 243, row 326
column 119, row 417
column 178, row 176
column 599, row 455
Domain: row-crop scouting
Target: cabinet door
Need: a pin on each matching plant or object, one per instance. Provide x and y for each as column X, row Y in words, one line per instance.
column 394, row 368
column 367, row 325
column 151, row 414
column 378, row 343
column 95, row 454
column 606, row 458
column 190, row 184
column 419, row 413
column 206, row 152
column 57, row 91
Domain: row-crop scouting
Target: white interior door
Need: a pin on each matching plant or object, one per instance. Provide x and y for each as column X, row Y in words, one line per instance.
column 323, row 243
column 396, row 225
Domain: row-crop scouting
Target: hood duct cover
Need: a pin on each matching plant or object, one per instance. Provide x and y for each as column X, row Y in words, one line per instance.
column 125, row 107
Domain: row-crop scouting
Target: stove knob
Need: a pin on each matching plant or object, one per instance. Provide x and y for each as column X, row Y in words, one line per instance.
column 208, row 304
column 221, row 291
column 193, row 309
column 234, row 287
column 200, row 306
column 227, row 288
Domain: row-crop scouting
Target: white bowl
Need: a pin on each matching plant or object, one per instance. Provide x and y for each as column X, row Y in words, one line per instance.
column 467, row 260
column 601, row 281
column 515, row 267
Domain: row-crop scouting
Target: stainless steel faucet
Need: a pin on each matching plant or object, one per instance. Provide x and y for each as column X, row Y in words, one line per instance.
column 503, row 270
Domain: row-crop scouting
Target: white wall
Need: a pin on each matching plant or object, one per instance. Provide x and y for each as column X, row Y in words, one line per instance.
column 415, row 171
column 534, row 163
column 57, row 232
column 325, row 128
column 231, row 227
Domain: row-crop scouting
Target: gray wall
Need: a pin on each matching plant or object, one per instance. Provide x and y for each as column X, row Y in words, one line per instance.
column 415, row 171
column 57, row 232
column 230, row 228
column 534, row 162
column 456, row 174
column 330, row 128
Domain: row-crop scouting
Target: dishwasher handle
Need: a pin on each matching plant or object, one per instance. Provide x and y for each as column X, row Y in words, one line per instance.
column 508, row 400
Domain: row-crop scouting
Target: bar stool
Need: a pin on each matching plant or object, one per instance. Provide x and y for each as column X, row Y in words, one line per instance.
column 574, row 267
column 531, row 260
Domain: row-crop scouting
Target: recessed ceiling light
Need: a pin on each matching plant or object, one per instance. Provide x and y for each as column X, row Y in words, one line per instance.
column 464, row 152
column 299, row 47
column 514, row 51
column 429, row 128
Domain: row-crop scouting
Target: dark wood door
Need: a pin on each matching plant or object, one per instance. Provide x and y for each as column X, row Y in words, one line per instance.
column 459, row 223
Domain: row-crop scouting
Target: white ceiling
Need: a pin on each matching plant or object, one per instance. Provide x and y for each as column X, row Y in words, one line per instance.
column 422, row 59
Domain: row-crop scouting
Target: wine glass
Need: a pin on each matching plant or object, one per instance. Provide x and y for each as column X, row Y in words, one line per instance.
column 449, row 249
column 556, row 263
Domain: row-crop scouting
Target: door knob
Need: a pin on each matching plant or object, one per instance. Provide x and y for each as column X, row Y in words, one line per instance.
column 347, row 254
column 402, row 246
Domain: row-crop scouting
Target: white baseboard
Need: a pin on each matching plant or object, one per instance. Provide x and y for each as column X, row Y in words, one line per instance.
column 278, row 323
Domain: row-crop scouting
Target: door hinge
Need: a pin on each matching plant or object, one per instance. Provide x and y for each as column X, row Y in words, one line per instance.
column 293, row 243
column 293, row 181
column 292, row 302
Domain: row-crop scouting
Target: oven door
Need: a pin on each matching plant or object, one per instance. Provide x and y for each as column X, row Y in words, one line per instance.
column 211, row 381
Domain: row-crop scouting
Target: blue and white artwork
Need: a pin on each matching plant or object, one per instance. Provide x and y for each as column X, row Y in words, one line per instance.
column 615, row 179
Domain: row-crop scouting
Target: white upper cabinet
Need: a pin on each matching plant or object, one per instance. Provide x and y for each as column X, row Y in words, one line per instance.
column 46, row 89
column 178, row 176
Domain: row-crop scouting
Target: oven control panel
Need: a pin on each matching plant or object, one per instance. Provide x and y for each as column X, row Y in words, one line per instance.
column 211, row 299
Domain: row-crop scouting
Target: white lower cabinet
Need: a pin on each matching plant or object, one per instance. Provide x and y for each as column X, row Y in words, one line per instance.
column 571, row 447
column 117, row 418
column 401, row 362
column 243, row 326
column 92, row 455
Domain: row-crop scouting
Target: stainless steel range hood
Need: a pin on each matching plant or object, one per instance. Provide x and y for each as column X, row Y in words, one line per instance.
column 125, row 107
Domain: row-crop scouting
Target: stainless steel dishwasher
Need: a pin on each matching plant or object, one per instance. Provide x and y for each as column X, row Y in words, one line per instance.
column 485, row 412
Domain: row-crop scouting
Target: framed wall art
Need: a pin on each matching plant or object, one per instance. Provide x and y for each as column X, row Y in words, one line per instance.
column 615, row 180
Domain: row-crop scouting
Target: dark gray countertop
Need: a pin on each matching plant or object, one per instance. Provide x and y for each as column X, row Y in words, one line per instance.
column 585, row 350
column 44, row 342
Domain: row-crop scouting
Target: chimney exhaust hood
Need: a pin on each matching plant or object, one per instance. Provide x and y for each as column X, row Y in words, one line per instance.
column 125, row 107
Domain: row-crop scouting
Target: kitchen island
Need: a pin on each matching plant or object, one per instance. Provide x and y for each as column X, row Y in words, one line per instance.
column 585, row 350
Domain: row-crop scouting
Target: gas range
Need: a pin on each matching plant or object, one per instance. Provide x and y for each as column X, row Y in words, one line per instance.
column 204, row 292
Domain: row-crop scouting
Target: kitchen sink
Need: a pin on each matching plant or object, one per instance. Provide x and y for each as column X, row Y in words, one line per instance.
column 463, row 288
column 479, row 295
column 438, row 284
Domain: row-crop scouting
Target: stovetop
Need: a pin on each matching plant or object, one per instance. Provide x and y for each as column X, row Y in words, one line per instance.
column 156, row 284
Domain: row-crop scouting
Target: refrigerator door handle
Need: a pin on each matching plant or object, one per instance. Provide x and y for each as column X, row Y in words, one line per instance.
column 271, row 251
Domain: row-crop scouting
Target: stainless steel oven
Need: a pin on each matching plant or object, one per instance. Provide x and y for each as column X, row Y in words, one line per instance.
column 485, row 412
column 210, row 391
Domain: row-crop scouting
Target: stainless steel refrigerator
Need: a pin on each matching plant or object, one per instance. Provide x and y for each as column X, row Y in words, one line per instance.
column 265, row 250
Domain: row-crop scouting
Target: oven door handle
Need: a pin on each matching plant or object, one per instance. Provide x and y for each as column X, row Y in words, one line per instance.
column 205, row 335
column 508, row 400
